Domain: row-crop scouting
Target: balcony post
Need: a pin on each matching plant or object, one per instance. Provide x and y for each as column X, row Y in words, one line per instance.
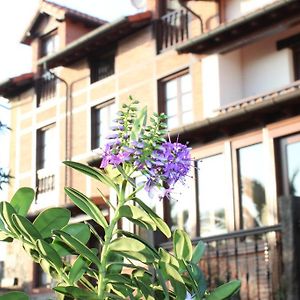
column 290, row 217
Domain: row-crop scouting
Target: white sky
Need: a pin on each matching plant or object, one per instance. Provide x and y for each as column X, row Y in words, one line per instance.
column 15, row 16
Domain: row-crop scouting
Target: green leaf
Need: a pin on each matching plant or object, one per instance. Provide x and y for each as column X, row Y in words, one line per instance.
column 182, row 245
column 14, row 296
column 132, row 248
column 22, row 200
column 4, row 234
column 114, row 263
column 78, row 269
column 175, row 279
column 6, row 212
column 137, row 216
column 49, row 254
column 92, row 172
column 139, row 123
column 26, row 228
column 87, row 206
column 78, row 246
column 77, row 293
column 198, row 252
column 79, row 231
column 197, row 279
column 161, row 224
column 225, row 291
column 51, row 219
column 168, row 258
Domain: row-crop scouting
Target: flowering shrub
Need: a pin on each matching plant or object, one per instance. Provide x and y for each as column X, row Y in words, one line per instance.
column 125, row 266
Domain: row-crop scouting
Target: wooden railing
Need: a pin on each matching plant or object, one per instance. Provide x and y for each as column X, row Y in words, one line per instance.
column 172, row 29
column 45, row 181
column 45, row 88
column 253, row 256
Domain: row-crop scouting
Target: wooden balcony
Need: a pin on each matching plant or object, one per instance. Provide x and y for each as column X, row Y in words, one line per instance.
column 45, row 88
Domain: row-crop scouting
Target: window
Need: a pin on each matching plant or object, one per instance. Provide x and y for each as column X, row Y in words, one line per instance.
column 211, row 187
column 175, row 99
column 102, row 66
column 101, row 119
column 49, row 43
column 296, row 52
column 41, row 279
column 252, row 186
column 45, row 88
column 45, row 158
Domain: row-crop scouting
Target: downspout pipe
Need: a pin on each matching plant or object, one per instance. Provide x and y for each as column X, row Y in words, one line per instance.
column 67, row 127
column 184, row 4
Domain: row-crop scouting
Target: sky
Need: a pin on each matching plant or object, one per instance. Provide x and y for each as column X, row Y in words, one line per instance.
column 15, row 58
column 15, row 16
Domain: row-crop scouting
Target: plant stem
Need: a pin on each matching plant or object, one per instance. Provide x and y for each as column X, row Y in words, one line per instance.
column 107, row 240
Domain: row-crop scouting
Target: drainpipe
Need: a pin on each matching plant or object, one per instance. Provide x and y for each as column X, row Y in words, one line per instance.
column 67, row 126
column 184, row 4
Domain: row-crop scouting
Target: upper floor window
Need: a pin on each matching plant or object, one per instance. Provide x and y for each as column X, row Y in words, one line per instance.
column 296, row 52
column 45, row 88
column 175, row 99
column 49, row 43
column 102, row 66
column 101, row 119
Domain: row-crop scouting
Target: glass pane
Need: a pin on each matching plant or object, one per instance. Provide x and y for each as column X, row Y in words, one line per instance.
column 172, row 107
column 293, row 156
column 49, row 149
column 186, row 83
column 187, row 117
column 172, row 122
column 171, row 89
column 211, row 191
column 182, row 206
column 187, row 102
column 252, row 186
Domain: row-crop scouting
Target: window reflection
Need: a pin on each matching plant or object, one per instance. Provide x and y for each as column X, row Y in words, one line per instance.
column 211, row 191
column 252, row 186
column 293, row 159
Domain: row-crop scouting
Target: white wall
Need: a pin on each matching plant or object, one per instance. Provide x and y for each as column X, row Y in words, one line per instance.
column 236, row 8
column 250, row 71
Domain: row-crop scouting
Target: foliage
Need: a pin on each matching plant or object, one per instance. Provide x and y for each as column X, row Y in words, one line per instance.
column 124, row 266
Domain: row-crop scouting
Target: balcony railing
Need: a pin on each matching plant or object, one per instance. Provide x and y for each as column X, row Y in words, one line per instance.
column 172, row 28
column 45, row 181
column 253, row 256
column 45, row 88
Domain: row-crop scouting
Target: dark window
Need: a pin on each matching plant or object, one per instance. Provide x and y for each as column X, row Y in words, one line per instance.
column 296, row 52
column 45, row 88
column 175, row 99
column 40, row 278
column 252, row 186
column 49, row 44
column 102, row 66
column 211, row 190
column 101, row 120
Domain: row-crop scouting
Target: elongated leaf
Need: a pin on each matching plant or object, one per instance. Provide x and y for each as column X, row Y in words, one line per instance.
column 197, row 279
column 14, row 296
column 92, row 172
column 51, row 219
column 76, row 293
column 132, row 248
column 198, row 252
column 49, row 254
column 168, row 258
column 87, row 206
column 22, row 200
column 225, row 291
column 137, row 216
column 182, row 245
column 161, row 224
column 78, row 246
column 79, row 231
column 6, row 212
column 175, row 279
column 138, row 124
column 26, row 228
column 78, row 269
column 4, row 234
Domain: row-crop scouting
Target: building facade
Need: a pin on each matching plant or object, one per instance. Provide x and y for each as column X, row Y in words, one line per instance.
column 227, row 74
